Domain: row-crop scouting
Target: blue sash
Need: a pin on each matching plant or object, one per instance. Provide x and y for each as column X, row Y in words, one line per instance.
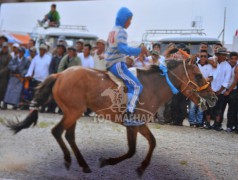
column 165, row 73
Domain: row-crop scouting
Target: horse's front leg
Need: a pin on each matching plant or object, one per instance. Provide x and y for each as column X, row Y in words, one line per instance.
column 70, row 136
column 131, row 138
column 145, row 131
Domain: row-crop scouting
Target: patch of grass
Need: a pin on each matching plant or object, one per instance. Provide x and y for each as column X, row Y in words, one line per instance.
column 183, row 162
column 44, row 124
column 2, row 120
column 157, row 126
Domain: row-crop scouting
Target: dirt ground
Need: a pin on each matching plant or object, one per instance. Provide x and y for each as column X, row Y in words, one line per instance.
column 181, row 152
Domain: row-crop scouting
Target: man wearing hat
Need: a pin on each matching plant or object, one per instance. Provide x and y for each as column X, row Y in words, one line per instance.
column 5, row 58
column 221, row 78
column 33, row 53
column 39, row 68
column 154, row 58
column 69, row 60
column 99, row 56
column 15, row 48
column 18, row 67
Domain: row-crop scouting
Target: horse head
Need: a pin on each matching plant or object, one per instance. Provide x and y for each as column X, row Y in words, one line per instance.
column 194, row 86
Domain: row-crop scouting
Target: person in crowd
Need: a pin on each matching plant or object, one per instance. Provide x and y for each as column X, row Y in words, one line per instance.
column 60, row 52
column 215, row 47
column 38, row 70
column 99, row 56
column 155, row 58
column 79, row 46
column 15, row 48
column 173, row 52
column 3, row 39
column 69, row 60
column 176, row 110
column 211, row 59
column 18, row 67
column 33, row 53
column 62, row 40
column 27, row 91
column 86, row 57
column 39, row 67
column 48, row 44
column 156, row 47
column 130, row 61
column 88, row 62
column 31, row 43
column 115, row 62
column 5, row 58
column 231, row 95
column 141, row 62
column 221, row 78
column 195, row 115
column 53, row 17
column 204, row 47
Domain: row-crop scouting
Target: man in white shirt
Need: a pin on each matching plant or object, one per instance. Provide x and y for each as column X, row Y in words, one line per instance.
column 79, row 46
column 231, row 95
column 85, row 56
column 99, row 56
column 39, row 68
column 195, row 115
column 221, row 78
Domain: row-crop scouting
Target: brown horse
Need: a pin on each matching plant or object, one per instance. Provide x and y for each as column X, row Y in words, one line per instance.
column 78, row 88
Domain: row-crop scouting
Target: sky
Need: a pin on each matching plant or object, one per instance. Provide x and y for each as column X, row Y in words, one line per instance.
column 99, row 16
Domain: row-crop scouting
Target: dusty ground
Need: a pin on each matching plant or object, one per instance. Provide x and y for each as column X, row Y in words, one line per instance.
column 181, row 152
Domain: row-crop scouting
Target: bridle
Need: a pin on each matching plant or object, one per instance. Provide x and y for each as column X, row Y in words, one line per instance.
column 197, row 89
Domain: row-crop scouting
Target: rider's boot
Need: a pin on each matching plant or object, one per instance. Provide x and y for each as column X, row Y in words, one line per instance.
column 129, row 120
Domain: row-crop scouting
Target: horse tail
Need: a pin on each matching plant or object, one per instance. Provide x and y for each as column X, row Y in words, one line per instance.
column 42, row 95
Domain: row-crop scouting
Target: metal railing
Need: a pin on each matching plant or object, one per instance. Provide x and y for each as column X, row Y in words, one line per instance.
column 153, row 32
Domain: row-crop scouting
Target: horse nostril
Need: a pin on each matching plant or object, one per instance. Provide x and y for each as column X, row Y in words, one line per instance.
column 214, row 99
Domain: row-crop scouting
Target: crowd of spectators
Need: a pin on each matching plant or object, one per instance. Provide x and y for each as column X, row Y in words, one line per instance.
column 23, row 68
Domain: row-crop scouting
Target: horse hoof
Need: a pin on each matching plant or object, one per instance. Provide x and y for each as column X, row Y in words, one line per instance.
column 87, row 170
column 103, row 162
column 67, row 162
column 140, row 171
column 67, row 165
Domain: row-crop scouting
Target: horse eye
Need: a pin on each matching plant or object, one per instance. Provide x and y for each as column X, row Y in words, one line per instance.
column 198, row 78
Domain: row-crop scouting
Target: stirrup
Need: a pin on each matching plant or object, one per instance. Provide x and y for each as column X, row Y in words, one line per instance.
column 130, row 122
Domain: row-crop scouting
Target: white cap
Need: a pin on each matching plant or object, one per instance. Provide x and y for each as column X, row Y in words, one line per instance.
column 43, row 46
column 16, row 45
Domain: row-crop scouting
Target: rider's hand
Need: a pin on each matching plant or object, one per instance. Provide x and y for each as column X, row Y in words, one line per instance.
column 226, row 93
column 144, row 50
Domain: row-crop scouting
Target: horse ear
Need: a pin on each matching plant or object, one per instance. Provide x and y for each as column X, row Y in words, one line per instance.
column 187, row 61
column 192, row 60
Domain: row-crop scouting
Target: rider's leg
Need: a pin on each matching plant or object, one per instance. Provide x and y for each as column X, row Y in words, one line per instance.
column 134, row 90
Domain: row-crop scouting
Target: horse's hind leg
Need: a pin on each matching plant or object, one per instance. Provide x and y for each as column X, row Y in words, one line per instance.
column 131, row 138
column 57, row 133
column 145, row 131
column 70, row 136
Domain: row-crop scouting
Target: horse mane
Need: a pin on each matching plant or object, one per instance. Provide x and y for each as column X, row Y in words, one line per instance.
column 171, row 64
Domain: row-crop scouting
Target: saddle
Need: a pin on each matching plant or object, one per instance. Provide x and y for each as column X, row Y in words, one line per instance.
column 118, row 81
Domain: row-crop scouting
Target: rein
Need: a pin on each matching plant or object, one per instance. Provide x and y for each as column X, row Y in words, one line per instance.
column 197, row 89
